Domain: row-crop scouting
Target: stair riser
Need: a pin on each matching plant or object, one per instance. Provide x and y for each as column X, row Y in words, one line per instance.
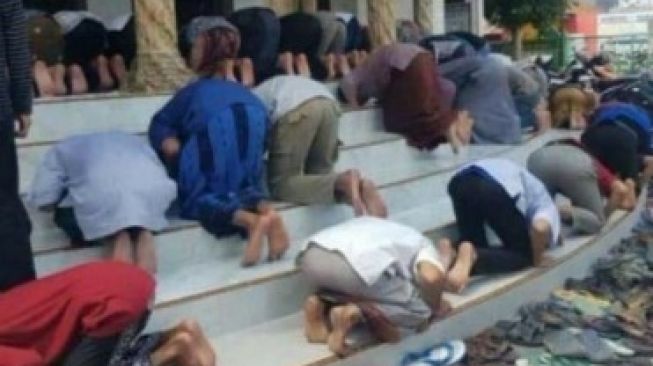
column 484, row 314
column 56, row 121
column 406, row 164
column 402, row 200
column 234, row 310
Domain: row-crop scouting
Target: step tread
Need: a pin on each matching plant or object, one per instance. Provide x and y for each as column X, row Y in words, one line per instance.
column 409, row 164
column 283, row 343
column 423, row 215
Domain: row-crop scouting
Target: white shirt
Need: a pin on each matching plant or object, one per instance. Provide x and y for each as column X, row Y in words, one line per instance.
column 69, row 19
column 113, row 181
column 374, row 246
column 532, row 198
column 283, row 94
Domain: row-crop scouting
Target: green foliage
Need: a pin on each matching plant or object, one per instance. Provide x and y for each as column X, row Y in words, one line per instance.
column 513, row 14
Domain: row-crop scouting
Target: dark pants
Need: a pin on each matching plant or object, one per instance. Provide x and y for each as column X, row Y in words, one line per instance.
column 260, row 33
column 479, row 200
column 302, row 33
column 84, row 44
column 123, row 42
column 16, row 261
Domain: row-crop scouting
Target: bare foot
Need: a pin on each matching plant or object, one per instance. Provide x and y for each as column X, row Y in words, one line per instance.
column 629, row 200
column 229, row 70
column 543, row 115
column 257, row 232
column 122, row 247
column 278, row 239
column 301, row 65
column 372, row 199
column 443, row 310
column 464, row 127
column 315, row 324
column 286, row 63
column 101, row 65
column 78, row 83
column 454, row 140
column 458, row 277
column 342, row 66
column 343, row 319
column 352, row 58
column 330, row 64
column 58, row 74
column 44, row 83
column 119, row 69
column 246, row 72
column 349, row 184
column 447, row 253
column 185, row 345
column 540, row 237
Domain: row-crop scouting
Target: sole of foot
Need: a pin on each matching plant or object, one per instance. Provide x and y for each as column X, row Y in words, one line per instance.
column 343, row 319
column 257, row 234
column 372, row 199
column 447, row 253
column 459, row 275
column 315, row 325
column 278, row 239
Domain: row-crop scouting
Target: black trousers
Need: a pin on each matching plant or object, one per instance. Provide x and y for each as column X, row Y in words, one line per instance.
column 479, row 200
column 16, row 260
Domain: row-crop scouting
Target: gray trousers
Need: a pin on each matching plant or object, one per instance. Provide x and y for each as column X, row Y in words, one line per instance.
column 569, row 171
column 398, row 298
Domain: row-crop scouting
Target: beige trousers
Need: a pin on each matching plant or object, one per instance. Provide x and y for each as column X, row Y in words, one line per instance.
column 303, row 152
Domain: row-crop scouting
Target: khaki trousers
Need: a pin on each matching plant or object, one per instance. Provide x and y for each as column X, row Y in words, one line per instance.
column 303, row 152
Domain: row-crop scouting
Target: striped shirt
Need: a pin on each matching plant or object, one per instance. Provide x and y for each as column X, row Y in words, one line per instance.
column 16, row 81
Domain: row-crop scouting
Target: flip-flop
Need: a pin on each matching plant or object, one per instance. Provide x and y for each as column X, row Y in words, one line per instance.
column 445, row 354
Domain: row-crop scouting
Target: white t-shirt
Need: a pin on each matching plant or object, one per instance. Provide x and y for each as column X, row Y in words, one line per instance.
column 375, row 246
column 282, row 94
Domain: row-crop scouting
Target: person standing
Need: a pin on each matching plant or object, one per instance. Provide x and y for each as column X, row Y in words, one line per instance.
column 16, row 262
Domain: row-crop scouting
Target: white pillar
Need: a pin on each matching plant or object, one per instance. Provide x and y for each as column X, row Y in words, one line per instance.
column 477, row 15
column 439, row 12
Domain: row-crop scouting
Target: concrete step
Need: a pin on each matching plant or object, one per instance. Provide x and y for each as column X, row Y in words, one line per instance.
column 406, row 163
column 203, row 283
column 357, row 127
column 486, row 301
column 57, row 118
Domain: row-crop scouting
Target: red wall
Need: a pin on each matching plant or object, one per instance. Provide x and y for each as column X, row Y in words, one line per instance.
column 585, row 22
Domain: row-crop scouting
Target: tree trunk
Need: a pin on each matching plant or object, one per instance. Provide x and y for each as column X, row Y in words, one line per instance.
column 382, row 22
column 158, row 67
column 518, row 43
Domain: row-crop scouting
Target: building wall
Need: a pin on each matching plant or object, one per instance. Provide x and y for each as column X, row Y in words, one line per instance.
column 109, row 9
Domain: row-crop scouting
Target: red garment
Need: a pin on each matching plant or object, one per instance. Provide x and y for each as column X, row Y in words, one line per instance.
column 40, row 319
column 417, row 103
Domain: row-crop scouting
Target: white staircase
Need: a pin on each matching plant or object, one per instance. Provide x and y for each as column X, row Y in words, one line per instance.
column 253, row 315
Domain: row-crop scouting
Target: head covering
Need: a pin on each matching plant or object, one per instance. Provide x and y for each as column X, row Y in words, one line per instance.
column 40, row 319
column 633, row 116
column 202, row 24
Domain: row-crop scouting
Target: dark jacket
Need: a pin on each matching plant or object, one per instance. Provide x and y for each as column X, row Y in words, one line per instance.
column 16, row 81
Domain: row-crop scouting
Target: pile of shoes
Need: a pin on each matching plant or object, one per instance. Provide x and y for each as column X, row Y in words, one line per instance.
column 606, row 318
